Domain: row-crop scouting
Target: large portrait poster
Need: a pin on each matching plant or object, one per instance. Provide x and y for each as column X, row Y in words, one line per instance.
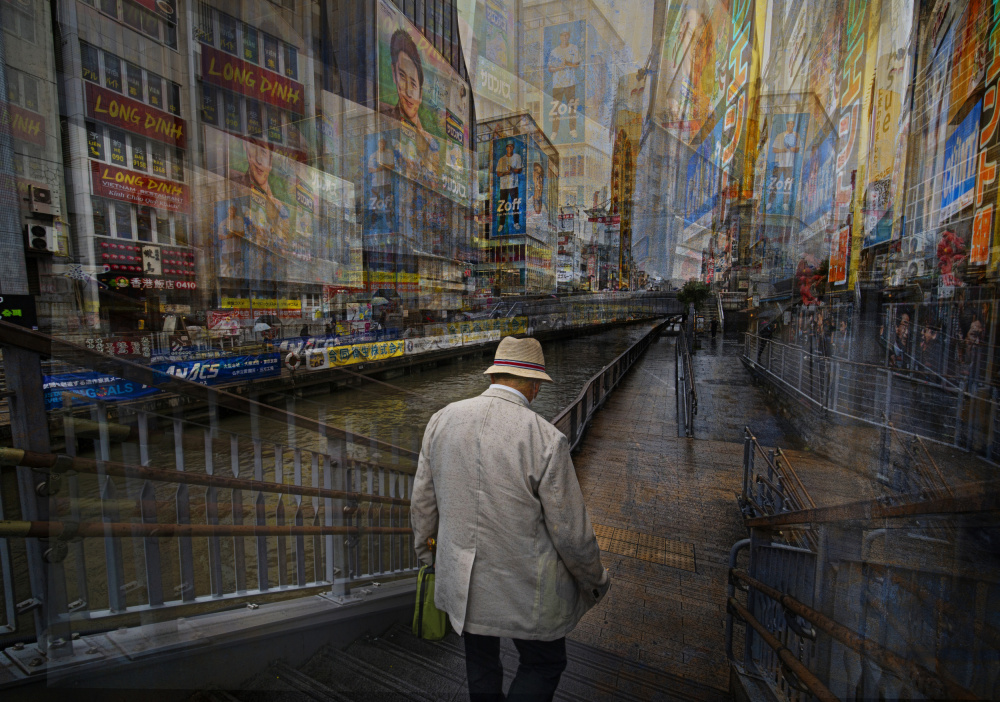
column 563, row 53
column 424, row 97
column 509, row 166
column 819, row 182
column 786, row 148
column 537, row 175
column 276, row 219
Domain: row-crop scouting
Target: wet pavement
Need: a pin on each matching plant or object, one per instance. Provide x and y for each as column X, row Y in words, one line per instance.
column 641, row 480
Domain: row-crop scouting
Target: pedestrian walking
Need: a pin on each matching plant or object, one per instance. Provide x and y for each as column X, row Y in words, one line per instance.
column 516, row 552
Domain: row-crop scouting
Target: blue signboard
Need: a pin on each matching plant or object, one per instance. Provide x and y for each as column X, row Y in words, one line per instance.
column 702, row 192
column 382, row 157
column 510, row 163
column 564, row 104
column 84, row 388
column 819, row 180
column 960, row 165
column 784, row 164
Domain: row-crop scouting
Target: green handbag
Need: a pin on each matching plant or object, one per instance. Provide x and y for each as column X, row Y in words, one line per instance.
column 428, row 621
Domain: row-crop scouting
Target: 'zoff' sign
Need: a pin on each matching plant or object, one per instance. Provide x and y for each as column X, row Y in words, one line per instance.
column 960, row 165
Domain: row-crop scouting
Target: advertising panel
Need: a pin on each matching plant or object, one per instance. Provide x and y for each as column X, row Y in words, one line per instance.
column 380, row 188
column 84, row 388
column 433, row 343
column 26, row 125
column 496, row 33
column 508, row 164
column 970, row 52
column 702, row 193
column 134, row 116
column 238, row 76
column 537, row 188
column 840, row 245
column 929, row 171
column 819, row 181
column 958, row 189
column 138, row 188
column 598, row 90
column 564, row 50
column 270, row 221
column 423, row 97
column 363, row 353
column 784, row 164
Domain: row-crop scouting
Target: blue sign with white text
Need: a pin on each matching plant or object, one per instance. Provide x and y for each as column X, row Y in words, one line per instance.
column 960, row 165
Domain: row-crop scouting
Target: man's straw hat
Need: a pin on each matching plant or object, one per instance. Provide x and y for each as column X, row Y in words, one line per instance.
column 521, row 357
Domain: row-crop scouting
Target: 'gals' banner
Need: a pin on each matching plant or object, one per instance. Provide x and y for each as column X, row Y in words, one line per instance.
column 136, row 117
column 237, row 75
column 138, row 188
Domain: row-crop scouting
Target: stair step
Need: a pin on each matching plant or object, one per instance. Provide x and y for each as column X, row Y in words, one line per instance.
column 362, row 680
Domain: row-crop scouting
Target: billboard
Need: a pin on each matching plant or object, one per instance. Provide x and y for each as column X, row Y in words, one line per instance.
column 819, row 181
column 786, row 148
column 276, row 219
column 423, row 97
column 380, row 185
column 536, row 190
column 509, row 163
column 840, row 245
column 702, row 192
column 960, row 153
column 564, row 51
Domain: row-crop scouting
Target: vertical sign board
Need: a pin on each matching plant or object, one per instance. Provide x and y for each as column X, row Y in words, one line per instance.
column 849, row 131
column 784, row 164
column 509, row 166
column 984, row 236
column 563, row 54
column 380, row 188
column 960, row 153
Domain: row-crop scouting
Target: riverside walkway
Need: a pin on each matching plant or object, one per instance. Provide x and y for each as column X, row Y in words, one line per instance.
column 665, row 509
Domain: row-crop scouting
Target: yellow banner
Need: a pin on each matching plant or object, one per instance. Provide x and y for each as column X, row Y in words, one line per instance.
column 363, row 353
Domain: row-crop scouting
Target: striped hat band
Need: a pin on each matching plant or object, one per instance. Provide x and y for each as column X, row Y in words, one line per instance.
column 519, row 364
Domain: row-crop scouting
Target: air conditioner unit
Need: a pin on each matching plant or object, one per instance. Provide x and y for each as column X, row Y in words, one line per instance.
column 40, row 200
column 41, row 238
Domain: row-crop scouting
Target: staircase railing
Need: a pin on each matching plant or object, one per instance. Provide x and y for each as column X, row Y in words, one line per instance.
column 686, row 392
column 876, row 605
column 721, row 313
column 911, row 403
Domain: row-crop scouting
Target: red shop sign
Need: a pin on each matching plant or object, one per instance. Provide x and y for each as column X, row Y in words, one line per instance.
column 138, row 188
column 26, row 125
column 253, row 81
column 136, row 117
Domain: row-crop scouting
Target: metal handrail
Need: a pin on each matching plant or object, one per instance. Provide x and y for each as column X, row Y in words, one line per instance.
column 62, row 463
column 934, row 686
column 687, row 393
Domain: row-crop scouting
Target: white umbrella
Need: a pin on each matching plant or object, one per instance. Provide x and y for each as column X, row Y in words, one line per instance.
column 260, row 326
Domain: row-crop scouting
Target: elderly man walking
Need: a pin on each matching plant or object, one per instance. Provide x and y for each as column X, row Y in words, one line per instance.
column 516, row 552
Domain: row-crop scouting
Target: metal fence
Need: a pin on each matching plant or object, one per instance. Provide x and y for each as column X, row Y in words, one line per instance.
column 912, row 402
column 887, row 599
column 216, row 501
column 684, row 385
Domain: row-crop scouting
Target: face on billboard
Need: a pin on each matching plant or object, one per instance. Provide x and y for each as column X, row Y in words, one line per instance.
column 563, row 49
column 509, row 186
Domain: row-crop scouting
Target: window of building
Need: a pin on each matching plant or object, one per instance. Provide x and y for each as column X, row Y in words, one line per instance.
column 228, row 40
column 133, row 81
column 173, row 98
column 234, row 123
column 19, row 20
column 291, row 62
column 123, row 220
column 206, row 28
column 95, row 141
column 116, row 147
column 144, row 223
column 138, row 153
column 250, row 49
column 177, row 165
column 154, row 90
column 157, row 159
column 163, row 230
column 100, row 216
column 270, row 52
column 209, row 105
column 254, row 120
column 90, row 58
column 274, row 125
column 112, row 72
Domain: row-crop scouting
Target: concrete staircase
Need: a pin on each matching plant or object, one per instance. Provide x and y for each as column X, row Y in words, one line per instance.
column 398, row 666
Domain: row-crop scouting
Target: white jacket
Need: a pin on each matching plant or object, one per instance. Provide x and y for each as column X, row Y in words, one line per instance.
column 516, row 552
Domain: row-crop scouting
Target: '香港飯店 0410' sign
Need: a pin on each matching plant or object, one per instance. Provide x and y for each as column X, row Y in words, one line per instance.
column 239, row 76
column 138, row 188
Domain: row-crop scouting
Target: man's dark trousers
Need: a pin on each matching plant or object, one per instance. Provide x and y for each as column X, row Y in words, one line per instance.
column 541, row 665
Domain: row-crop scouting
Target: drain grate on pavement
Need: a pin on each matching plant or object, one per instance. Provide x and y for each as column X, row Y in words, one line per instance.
column 645, row 547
